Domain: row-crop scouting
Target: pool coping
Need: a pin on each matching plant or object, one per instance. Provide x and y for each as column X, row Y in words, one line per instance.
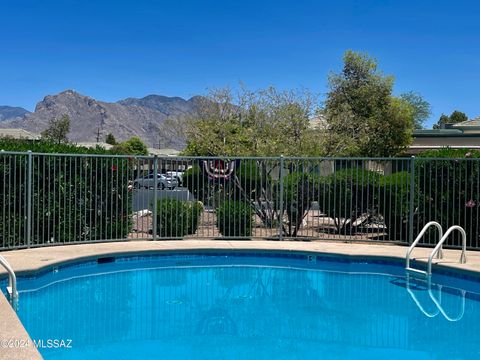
column 15, row 343
column 34, row 260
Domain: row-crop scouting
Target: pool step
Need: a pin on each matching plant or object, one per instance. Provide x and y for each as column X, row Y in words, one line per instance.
column 416, row 272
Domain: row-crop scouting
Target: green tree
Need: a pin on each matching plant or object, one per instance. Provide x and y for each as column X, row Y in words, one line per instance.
column 458, row 117
column 421, row 108
column 261, row 123
column 57, row 130
column 454, row 118
column 135, row 146
column 110, row 139
column 363, row 117
column 444, row 119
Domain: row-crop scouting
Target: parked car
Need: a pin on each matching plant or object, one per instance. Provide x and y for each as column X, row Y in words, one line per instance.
column 177, row 175
column 163, row 182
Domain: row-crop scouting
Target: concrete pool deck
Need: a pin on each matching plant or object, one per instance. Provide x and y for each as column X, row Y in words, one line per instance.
column 36, row 259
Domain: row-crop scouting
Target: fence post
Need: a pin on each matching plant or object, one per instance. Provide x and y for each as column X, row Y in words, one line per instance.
column 29, row 198
column 155, row 189
column 412, row 199
column 280, row 206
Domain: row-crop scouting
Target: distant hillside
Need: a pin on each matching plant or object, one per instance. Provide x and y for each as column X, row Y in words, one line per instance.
column 11, row 112
column 124, row 119
column 169, row 106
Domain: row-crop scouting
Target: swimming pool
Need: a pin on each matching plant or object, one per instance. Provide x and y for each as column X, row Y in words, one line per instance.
column 249, row 305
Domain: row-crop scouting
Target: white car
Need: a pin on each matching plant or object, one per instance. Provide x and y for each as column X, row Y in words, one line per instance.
column 163, row 182
column 177, row 175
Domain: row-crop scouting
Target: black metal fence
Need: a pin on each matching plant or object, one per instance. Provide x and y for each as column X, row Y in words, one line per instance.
column 48, row 199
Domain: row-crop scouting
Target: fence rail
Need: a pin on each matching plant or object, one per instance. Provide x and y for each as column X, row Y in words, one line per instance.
column 50, row 199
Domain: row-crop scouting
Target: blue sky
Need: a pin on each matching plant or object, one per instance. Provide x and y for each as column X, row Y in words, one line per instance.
column 115, row 49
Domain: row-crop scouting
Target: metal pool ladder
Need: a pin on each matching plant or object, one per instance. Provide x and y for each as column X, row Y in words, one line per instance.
column 438, row 248
column 12, row 283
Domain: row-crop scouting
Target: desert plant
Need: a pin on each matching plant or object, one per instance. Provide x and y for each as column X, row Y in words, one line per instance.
column 234, row 218
column 177, row 218
column 297, row 196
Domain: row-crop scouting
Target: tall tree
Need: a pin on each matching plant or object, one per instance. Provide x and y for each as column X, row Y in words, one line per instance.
column 135, row 146
column 364, row 119
column 110, row 139
column 261, row 123
column 58, row 129
column 421, row 108
column 458, row 117
column 454, row 118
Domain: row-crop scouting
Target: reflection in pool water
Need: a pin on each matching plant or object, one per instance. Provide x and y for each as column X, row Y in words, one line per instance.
column 232, row 307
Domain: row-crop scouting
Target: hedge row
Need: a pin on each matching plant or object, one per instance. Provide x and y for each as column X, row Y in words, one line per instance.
column 450, row 192
column 74, row 199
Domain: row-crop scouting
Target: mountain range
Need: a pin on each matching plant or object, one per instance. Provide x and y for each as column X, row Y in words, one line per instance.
column 11, row 112
column 90, row 118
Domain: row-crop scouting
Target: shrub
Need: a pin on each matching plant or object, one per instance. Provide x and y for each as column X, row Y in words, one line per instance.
column 177, row 218
column 449, row 192
column 74, row 199
column 234, row 219
column 252, row 179
column 194, row 213
column 394, row 204
column 196, row 182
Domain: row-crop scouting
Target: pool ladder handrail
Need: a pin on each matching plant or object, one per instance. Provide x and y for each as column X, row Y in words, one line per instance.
column 12, row 282
column 417, row 240
column 438, row 250
column 437, row 302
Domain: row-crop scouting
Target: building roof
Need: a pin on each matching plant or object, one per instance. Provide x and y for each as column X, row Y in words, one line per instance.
column 94, row 145
column 151, row 151
column 163, row 152
column 19, row 134
column 437, row 132
column 469, row 123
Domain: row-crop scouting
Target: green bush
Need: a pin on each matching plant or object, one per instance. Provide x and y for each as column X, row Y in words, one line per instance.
column 347, row 194
column 194, row 213
column 177, row 218
column 394, row 204
column 74, row 199
column 252, row 179
column 234, row 219
column 196, row 182
column 449, row 192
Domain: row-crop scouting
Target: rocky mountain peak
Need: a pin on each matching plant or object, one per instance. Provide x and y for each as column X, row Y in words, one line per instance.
column 141, row 117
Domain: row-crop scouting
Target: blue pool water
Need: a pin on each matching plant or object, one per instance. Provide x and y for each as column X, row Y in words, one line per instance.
column 249, row 306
